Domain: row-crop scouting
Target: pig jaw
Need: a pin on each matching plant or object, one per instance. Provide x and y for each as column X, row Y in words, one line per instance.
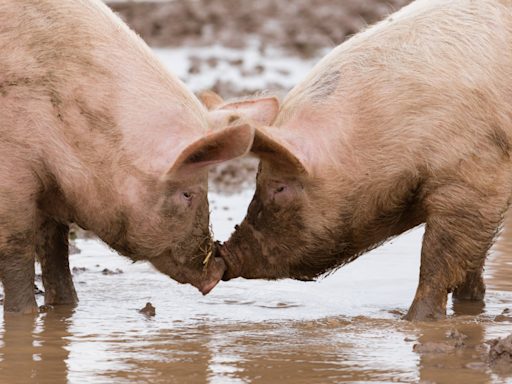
column 204, row 280
column 248, row 254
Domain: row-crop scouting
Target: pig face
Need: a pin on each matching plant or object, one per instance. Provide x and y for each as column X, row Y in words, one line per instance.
column 288, row 228
column 285, row 233
column 168, row 219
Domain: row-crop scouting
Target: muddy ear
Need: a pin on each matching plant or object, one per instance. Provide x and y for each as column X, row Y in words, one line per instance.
column 262, row 111
column 216, row 147
column 269, row 149
column 210, row 99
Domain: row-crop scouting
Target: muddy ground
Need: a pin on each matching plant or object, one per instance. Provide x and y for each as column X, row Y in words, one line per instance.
column 300, row 26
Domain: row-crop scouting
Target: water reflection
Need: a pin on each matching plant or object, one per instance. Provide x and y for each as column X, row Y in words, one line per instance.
column 34, row 347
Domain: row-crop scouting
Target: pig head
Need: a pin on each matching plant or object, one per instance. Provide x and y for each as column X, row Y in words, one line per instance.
column 288, row 230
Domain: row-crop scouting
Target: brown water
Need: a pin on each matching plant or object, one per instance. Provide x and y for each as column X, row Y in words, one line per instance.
column 344, row 329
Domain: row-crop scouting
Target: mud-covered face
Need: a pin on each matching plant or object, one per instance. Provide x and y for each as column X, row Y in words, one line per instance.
column 165, row 219
column 190, row 258
column 278, row 237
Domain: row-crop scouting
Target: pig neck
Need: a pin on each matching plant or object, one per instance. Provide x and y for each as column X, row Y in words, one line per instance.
column 370, row 201
column 375, row 204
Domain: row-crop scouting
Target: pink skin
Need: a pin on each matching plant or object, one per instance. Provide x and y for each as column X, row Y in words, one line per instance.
column 95, row 130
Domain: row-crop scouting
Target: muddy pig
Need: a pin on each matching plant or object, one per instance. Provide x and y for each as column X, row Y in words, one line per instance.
column 407, row 122
column 95, row 130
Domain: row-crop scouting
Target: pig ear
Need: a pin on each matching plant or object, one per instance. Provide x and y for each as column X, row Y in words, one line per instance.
column 262, row 111
column 216, row 147
column 269, row 149
column 210, row 99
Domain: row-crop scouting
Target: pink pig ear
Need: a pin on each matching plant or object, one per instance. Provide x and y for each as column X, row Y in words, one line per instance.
column 262, row 111
column 216, row 147
column 269, row 149
column 210, row 99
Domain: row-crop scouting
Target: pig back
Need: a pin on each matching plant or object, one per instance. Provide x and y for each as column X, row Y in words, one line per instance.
column 85, row 101
column 428, row 85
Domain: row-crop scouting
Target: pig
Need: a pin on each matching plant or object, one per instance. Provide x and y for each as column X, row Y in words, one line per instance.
column 95, row 130
column 406, row 123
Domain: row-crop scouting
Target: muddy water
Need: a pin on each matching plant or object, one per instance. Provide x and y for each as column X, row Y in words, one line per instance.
column 344, row 329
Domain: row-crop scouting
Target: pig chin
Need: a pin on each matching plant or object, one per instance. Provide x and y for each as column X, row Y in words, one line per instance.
column 204, row 279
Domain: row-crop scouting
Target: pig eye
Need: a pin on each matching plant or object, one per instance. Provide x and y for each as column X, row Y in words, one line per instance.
column 187, row 196
column 280, row 189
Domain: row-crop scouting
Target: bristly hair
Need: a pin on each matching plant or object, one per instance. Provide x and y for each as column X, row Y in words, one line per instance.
column 258, row 95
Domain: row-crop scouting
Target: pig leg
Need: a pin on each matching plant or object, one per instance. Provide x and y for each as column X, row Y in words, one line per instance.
column 17, row 257
column 52, row 252
column 473, row 288
column 457, row 238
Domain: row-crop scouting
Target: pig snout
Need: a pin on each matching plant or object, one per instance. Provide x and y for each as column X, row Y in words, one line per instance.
column 231, row 258
column 204, row 279
column 219, row 267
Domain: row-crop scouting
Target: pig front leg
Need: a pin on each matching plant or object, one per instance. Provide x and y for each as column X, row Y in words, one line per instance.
column 52, row 247
column 17, row 269
column 457, row 238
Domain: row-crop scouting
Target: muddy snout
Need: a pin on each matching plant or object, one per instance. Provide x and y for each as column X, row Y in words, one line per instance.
column 214, row 270
column 232, row 261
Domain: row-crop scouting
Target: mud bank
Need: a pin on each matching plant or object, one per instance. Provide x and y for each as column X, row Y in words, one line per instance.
column 300, row 26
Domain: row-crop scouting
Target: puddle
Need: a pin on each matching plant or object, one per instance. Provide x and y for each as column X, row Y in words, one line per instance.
column 345, row 328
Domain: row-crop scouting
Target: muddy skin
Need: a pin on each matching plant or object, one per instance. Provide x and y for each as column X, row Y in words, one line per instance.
column 420, row 157
column 256, row 251
column 52, row 252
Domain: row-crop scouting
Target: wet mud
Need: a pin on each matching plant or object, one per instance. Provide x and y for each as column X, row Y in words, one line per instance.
column 300, row 26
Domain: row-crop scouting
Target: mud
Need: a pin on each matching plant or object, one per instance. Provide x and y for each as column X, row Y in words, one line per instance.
column 431, row 347
column 500, row 354
column 300, row 26
column 108, row 272
column 148, row 310
column 233, row 176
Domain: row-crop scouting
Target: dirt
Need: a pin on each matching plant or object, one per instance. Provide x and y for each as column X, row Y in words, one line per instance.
column 299, row 26
column 500, row 354
column 458, row 337
column 233, row 176
column 78, row 270
column 108, row 272
column 432, row 347
column 148, row 310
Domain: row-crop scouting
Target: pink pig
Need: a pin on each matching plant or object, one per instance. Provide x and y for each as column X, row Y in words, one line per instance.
column 95, row 130
column 408, row 122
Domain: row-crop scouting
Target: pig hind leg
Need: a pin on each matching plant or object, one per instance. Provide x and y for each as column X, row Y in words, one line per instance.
column 52, row 249
column 457, row 238
column 473, row 287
